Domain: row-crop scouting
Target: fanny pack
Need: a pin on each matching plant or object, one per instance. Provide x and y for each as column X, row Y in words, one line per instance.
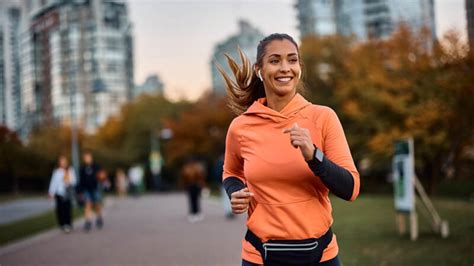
column 290, row 252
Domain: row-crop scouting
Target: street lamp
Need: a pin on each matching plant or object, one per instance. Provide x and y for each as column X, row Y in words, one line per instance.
column 72, row 104
column 156, row 158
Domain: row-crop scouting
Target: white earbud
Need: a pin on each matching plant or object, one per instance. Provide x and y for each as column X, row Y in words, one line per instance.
column 259, row 74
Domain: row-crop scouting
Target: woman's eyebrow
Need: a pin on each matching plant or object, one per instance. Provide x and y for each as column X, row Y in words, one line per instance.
column 278, row 55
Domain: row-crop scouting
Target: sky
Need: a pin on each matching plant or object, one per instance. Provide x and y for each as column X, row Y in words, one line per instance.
column 175, row 38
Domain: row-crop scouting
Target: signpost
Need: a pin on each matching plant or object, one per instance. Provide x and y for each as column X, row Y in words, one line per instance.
column 403, row 175
column 405, row 183
column 156, row 159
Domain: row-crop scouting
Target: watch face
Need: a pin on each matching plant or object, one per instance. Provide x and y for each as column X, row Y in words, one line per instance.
column 319, row 155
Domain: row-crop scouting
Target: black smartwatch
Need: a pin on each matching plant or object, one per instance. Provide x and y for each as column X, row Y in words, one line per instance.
column 318, row 155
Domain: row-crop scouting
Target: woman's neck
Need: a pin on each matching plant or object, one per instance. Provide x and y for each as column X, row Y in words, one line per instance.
column 277, row 102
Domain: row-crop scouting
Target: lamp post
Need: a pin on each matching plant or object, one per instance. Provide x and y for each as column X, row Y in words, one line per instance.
column 156, row 157
column 72, row 104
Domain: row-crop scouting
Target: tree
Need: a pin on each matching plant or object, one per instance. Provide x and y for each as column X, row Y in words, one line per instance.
column 10, row 154
column 199, row 129
column 125, row 139
column 384, row 90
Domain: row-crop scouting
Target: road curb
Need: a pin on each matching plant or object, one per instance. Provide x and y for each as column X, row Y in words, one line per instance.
column 48, row 234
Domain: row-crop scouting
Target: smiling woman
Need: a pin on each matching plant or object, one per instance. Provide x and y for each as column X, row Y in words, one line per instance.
column 283, row 157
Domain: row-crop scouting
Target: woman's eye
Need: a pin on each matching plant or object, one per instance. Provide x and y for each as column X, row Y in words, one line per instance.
column 294, row 60
column 274, row 61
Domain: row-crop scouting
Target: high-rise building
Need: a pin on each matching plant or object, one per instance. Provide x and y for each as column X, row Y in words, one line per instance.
column 317, row 16
column 364, row 19
column 152, row 85
column 10, row 91
column 246, row 39
column 77, row 60
column 470, row 21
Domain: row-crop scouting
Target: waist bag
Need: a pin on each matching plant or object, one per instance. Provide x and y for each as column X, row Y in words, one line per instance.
column 290, row 252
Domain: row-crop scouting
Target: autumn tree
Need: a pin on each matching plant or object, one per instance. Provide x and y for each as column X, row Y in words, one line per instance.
column 125, row 138
column 10, row 153
column 404, row 86
column 199, row 130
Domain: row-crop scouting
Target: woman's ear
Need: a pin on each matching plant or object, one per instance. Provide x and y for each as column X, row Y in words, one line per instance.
column 259, row 73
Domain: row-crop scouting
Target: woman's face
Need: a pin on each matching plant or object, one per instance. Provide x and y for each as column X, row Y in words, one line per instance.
column 280, row 68
column 63, row 162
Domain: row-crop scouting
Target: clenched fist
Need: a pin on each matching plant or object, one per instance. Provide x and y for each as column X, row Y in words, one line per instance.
column 300, row 138
column 240, row 201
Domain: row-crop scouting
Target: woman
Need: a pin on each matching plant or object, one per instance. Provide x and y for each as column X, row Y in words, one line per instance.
column 283, row 157
column 193, row 177
column 61, row 188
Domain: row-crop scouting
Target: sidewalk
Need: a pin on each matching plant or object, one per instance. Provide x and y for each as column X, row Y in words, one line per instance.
column 19, row 209
column 151, row 230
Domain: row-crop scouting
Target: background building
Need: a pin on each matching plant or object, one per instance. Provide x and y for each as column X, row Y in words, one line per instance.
column 76, row 60
column 10, row 90
column 470, row 21
column 316, row 17
column 365, row 19
column 247, row 39
column 152, row 85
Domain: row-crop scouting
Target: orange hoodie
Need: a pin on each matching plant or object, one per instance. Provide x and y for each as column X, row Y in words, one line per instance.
column 289, row 201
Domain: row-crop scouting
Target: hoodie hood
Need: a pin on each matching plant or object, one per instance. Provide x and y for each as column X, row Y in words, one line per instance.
column 296, row 104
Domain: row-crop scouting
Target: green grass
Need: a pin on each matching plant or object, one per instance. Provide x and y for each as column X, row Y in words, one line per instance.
column 30, row 226
column 19, row 196
column 365, row 229
column 367, row 234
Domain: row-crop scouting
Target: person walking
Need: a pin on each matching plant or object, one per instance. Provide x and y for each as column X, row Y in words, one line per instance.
column 218, row 168
column 193, row 177
column 121, row 183
column 284, row 155
column 89, row 175
column 61, row 188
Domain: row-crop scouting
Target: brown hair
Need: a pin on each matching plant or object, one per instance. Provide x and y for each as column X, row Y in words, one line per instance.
column 247, row 87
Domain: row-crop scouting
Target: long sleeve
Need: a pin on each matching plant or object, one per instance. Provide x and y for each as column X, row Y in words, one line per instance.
column 72, row 175
column 233, row 175
column 337, row 170
column 54, row 183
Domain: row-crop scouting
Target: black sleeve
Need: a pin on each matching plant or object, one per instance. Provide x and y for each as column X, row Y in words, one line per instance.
column 337, row 179
column 80, row 181
column 232, row 184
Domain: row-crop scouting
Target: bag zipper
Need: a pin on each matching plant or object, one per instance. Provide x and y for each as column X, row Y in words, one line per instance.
column 289, row 247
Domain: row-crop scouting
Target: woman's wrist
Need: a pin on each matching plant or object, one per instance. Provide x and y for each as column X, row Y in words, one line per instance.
column 310, row 155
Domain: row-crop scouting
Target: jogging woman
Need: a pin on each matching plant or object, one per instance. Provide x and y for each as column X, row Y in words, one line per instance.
column 283, row 157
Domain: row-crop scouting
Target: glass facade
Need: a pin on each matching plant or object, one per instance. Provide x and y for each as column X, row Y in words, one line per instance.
column 82, row 63
column 247, row 39
column 10, row 90
column 470, row 21
column 364, row 19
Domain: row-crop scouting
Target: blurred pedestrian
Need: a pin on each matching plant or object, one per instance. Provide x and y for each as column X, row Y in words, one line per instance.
column 193, row 177
column 104, row 182
column 135, row 174
column 89, row 176
column 283, row 157
column 121, row 183
column 61, row 188
column 218, row 168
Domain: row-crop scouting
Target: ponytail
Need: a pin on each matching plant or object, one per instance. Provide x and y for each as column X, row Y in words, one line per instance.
column 246, row 88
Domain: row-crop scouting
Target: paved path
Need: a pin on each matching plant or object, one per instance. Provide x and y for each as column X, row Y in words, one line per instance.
column 151, row 230
column 20, row 209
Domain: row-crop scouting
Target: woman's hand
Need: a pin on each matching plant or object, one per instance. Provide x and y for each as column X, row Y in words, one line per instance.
column 300, row 138
column 240, row 200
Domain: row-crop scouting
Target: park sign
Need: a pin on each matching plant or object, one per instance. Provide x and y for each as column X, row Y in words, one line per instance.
column 403, row 175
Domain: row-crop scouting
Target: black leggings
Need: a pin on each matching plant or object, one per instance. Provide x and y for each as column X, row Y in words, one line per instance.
column 194, row 193
column 331, row 262
column 63, row 210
